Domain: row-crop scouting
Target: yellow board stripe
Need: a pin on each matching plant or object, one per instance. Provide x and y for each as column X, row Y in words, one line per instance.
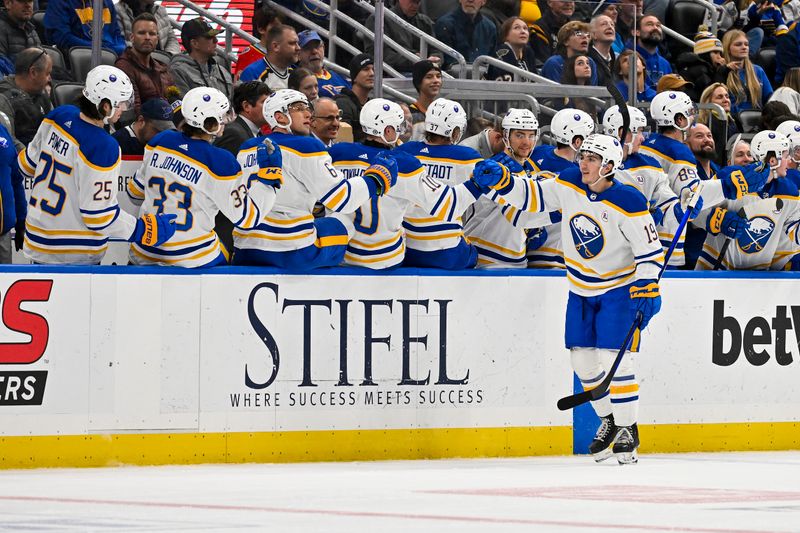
column 281, row 447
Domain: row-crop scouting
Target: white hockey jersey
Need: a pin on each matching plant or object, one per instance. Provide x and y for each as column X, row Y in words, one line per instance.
column 609, row 238
column 499, row 232
column 308, row 176
column 73, row 207
column 644, row 173
column 194, row 180
column 379, row 240
column 770, row 239
column 452, row 165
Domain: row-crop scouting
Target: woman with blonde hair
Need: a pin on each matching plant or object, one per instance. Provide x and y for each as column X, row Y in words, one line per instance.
column 717, row 93
column 789, row 92
column 748, row 83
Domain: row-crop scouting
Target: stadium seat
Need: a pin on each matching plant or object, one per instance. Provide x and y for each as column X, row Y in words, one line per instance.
column 684, row 17
column 750, row 120
column 66, row 93
column 767, row 60
column 56, row 55
column 80, row 58
column 158, row 55
column 38, row 23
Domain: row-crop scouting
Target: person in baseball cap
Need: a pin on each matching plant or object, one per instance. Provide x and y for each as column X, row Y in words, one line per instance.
column 154, row 117
column 194, row 29
column 308, row 37
column 672, row 82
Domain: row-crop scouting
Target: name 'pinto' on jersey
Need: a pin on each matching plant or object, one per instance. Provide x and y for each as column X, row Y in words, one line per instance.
column 379, row 242
column 452, row 165
column 73, row 207
column 609, row 238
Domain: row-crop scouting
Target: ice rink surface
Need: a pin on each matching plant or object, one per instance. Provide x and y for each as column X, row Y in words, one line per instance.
column 708, row 493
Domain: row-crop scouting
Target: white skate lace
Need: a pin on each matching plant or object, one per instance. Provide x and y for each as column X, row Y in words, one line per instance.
column 605, row 427
column 624, row 436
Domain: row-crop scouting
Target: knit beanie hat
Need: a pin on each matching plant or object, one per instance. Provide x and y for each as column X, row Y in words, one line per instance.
column 420, row 70
column 705, row 42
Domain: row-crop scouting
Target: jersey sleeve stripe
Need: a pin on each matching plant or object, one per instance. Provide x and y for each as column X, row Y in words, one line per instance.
column 304, row 154
column 27, row 166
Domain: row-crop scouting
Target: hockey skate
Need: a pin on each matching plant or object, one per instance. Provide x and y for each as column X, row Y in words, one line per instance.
column 600, row 448
column 626, row 445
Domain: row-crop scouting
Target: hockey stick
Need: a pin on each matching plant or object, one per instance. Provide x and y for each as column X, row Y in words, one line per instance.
column 743, row 214
column 570, row 402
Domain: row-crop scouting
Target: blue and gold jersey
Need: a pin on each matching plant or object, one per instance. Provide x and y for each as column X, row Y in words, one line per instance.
column 73, row 207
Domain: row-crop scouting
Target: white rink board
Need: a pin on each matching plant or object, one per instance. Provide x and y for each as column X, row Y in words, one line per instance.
column 136, row 350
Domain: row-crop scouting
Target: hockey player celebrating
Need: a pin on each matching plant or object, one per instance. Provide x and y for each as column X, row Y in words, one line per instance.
column 646, row 174
column 432, row 242
column 184, row 174
column 289, row 236
column 74, row 163
column 569, row 128
column 613, row 258
column 499, row 232
column 766, row 237
column 379, row 240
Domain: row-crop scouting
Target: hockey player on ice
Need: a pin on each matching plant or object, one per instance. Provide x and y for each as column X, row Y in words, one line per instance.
column 74, row 164
column 569, row 128
column 612, row 278
column 289, row 236
column 499, row 231
column 379, row 240
column 184, row 174
column 433, row 242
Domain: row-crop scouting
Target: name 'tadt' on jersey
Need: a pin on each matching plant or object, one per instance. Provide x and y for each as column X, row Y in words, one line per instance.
column 73, row 207
column 609, row 238
column 452, row 165
column 308, row 177
column 379, row 241
column 194, row 180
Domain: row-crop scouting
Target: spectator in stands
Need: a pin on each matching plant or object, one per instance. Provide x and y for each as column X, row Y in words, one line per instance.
column 644, row 91
column 408, row 10
column 264, row 18
column 515, row 51
column 303, row 80
column 198, row 67
column 312, row 57
column 789, row 92
column 154, row 116
column 603, row 33
column 790, row 9
column 702, row 65
column 749, row 86
column 573, row 40
column 129, row 10
column 673, row 82
column 488, row 142
column 467, row 31
column 150, row 77
column 427, row 79
column 248, row 101
column 611, row 8
column 544, row 32
column 740, row 154
column 350, row 101
column 629, row 12
column 17, row 32
column 326, row 120
column 405, row 135
column 773, row 114
column 68, row 23
column 764, row 18
column 649, row 35
column 578, row 71
column 701, row 143
column 283, row 51
column 717, row 93
column 23, row 96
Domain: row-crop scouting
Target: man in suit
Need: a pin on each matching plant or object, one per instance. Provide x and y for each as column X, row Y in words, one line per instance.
column 248, row 99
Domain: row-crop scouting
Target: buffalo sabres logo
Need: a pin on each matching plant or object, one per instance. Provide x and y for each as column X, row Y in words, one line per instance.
column 586, row 235
column 755, row 237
